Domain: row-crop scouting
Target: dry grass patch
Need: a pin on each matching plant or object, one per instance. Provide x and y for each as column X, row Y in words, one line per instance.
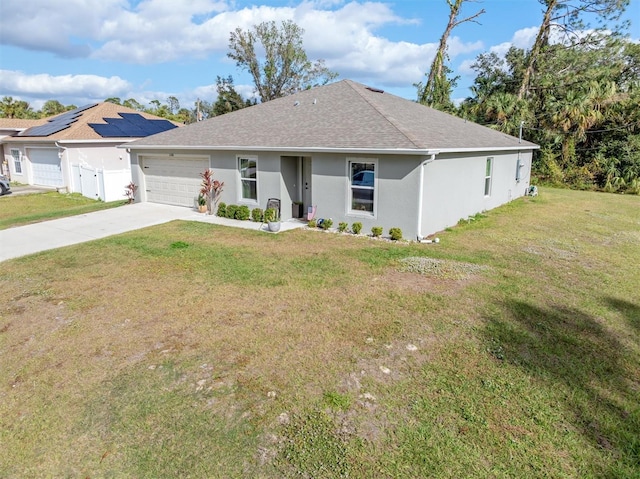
column 191, row 349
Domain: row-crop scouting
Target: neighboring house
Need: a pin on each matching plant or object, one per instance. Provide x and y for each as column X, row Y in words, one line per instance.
column 10, row 127
column 76, row 151
column 355, row 152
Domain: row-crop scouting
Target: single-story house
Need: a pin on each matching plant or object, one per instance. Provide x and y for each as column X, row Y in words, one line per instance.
column 10, row 127
column 76, row 151
column 354, row 152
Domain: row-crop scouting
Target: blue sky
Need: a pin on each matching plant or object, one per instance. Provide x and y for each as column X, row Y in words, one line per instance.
column 82, row 51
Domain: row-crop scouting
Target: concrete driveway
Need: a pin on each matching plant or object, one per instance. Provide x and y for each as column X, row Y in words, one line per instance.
column 29, row 190
column 24, row 240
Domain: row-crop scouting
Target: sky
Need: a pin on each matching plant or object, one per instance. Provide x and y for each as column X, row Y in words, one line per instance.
column 84, row 51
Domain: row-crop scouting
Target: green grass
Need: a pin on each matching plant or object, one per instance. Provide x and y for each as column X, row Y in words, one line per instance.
column 20, row 210
column 192, row 350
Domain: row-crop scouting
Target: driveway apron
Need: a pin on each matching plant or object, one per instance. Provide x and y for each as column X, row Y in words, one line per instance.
column 24, row 240
column 29, row 239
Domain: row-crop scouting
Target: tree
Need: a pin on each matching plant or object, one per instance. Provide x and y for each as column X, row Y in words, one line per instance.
column 437, row 91
column 133, row 104
column 228, row 98
column 174, row 104
column 10, row 108
column 567, row 17
column 581, row 107
column 52, row 107
column 285, row 68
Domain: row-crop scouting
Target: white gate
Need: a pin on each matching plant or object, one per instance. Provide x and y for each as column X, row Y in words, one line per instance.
column 89, row 182
column 107, row 185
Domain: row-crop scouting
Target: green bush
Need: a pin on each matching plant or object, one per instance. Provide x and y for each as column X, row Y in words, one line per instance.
column 257, row 214
column 396, row 234
column 313, row 223
column 270, row 214
column 326, row 224
column 376, row 231
column 231, row 211
column 342, row 226
column 243, row 213
column 356, row 228
column 222, row 210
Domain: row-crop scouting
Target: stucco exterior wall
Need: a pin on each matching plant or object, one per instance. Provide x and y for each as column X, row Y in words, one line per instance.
column 395, row 198
column 454, row 186
column 102, row 157
column 98, row 156
column 18, row 177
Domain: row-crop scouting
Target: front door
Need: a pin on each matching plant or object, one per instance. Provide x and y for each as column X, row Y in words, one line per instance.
column 307, row 197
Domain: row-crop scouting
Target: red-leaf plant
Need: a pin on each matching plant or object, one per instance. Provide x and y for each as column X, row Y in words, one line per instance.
column 211, row 189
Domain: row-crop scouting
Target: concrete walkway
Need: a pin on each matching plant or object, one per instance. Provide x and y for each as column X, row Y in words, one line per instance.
column 24, row 240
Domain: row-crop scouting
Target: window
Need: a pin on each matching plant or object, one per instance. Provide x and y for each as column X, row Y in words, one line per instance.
column 17, row 164
column 362, row 179
column 248, row 178
column 487, row 177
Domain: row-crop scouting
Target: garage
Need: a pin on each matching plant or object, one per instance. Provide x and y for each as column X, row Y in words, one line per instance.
column 45, row 165
column 173, row 180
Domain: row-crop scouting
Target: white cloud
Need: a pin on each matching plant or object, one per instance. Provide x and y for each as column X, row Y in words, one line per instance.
column 65, row 29
column 61, row 86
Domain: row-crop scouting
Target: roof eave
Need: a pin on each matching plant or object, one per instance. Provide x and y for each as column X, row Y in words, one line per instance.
column 528, row 146
column 291, row 149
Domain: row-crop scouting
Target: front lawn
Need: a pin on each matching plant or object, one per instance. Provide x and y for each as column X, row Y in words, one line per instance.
column 509, row 349
column 17, row 210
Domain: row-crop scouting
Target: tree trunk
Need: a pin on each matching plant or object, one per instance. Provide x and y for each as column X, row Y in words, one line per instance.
column 426, row 96
column 541, row 40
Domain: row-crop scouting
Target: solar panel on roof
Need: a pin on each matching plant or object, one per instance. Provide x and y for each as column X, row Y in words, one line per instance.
column 126, row 127
column 135, row 118
column 107, row 131
column 131, row 125
column 59, row 123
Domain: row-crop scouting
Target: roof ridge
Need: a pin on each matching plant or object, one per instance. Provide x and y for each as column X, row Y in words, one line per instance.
column 392, row 121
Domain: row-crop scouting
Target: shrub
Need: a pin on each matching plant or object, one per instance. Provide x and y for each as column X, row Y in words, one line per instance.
column 326, row 224
column 270, row 214
column 313, row 223
column 222, row 210
column 231, row 211
column 396, row 234
column 130, row 192
column 376, row 231
column 356, row 228
column 257, row 214
column 243, row 213
column 342, row 226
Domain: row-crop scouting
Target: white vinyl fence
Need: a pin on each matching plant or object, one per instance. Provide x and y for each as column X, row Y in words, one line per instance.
column 106, row 185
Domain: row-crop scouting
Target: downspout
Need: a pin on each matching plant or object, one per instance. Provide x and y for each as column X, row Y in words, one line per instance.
column 421, row 193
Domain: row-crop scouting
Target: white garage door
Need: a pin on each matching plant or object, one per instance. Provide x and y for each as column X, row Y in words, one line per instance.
column 45, row 164
column 173, row 181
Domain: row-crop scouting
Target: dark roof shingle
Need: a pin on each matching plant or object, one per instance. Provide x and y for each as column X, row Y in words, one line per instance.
column 342, row 115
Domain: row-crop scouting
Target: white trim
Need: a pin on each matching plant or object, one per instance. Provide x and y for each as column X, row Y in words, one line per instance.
column 310, row 149
column 241, row 199
column 287, row 149
column 488, row 149
column 376, row 189
column 423, row 164
column 489, row 177
column 16, row 161
column 104, row 140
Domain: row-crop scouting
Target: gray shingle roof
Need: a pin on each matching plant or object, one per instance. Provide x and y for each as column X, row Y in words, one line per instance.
column 343, row 115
